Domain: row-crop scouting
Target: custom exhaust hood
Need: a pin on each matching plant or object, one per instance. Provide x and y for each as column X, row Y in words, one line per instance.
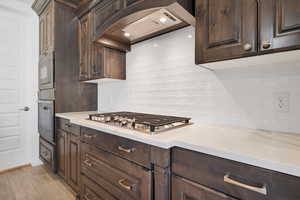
column 141, row 20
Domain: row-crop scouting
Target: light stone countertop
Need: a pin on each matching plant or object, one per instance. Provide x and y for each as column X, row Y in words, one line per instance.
column 271, row 150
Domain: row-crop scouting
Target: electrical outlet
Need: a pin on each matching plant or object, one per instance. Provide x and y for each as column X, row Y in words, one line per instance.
column 282, row 101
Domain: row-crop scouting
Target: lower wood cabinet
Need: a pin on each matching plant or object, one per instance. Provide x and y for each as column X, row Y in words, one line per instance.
column 74, row 161
column 183, row 189
column 68, row 153
column 121, row 179
column 47, row 154
column 233, row 179
column 62, row 161
column 92, row 191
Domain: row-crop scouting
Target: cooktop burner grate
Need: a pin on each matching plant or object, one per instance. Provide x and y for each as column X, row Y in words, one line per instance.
column 148, row 123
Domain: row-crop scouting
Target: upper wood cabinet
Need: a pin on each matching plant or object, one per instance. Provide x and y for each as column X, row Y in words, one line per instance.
column 47, row 30
column 279, row 25
column 96, row 60
column 239, row 28
column 225, row 29
column 84, row 47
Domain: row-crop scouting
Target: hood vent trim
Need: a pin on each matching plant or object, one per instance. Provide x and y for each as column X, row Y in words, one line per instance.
column 155, row 22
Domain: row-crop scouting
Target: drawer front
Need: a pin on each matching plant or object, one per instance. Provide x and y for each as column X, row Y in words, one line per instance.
column 116, row 175
column 125, row 148
column 64, row 124
column 183, row 189
column 48, row 94
column 235, row 179
column 47, row 154
column 91, row 191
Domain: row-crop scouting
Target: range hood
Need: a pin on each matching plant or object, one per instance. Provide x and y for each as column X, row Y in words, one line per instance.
column 143, row 20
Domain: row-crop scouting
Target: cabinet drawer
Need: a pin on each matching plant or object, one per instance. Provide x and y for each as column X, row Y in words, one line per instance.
column 116, row 175
column 65, row 125
column 236, row 179
column 47, row 154
column 183, row 189
column 91, row 191
column 125, row 148
column 48, row 94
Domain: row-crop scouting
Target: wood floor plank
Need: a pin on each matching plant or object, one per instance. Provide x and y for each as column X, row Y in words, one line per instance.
column 35, row 183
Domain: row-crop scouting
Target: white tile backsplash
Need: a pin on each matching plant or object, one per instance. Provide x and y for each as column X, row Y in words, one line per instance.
column 162, row 78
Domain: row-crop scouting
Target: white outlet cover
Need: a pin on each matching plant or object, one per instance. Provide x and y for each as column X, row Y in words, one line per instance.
column 282, row 101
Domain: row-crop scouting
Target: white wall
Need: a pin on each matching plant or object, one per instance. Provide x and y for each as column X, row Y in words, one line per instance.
column 162, row 78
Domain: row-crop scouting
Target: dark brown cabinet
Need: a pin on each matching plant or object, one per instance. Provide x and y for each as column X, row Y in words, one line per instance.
column 96, row 60
column 239, row 28
column 68, row 152
column 232, row 179
column 46, row 71
column 122, row 179
column 279, row 25
column 74, row 161
column 225, row 29
column 59, row 88
column 47, row 154
column 47, row 30
column 85, row 41
column 62, row 153
column 183, row 189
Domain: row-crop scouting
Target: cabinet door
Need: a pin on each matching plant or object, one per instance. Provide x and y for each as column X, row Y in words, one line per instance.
column 225, row 29
column 47, row 30
column 42, row 27
column 279, row 25
column 49, row 15
column 62, row 153
column 97, row 70
column 114, row 63
column 84, row 47
column 46, row 71
column 74, row 161
column 183, row 189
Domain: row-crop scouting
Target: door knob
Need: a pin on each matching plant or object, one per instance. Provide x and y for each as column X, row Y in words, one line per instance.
column 26, row 108
column 247, row 47
column 266, row 44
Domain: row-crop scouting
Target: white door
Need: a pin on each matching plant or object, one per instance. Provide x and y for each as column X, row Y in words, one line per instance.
column 16, row 88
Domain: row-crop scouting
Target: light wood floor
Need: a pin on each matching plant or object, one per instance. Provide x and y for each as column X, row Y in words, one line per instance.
column 33, row 184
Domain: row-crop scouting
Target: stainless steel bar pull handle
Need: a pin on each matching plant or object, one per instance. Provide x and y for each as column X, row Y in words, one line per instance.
column 122, row 184
column 89, row 136
column 261, row 190
column 126, row 150
column 88, row 163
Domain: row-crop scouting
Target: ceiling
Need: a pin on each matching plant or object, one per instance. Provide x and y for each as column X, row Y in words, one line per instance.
column 26, row 1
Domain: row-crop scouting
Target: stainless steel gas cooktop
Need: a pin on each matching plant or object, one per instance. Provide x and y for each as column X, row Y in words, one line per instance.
column 146, row 123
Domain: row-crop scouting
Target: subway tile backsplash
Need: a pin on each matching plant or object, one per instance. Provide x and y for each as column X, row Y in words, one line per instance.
column 163, row 79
